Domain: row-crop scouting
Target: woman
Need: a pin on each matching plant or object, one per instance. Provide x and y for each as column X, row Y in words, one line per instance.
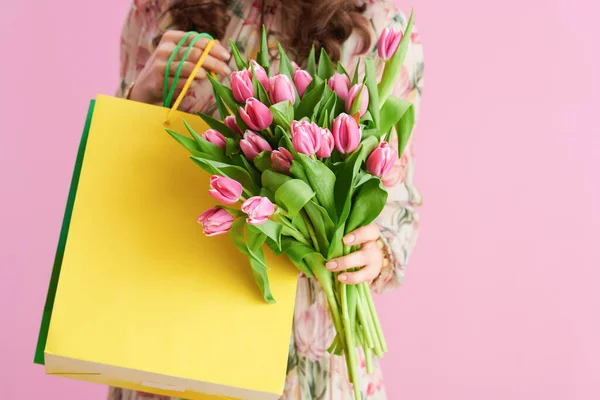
column 346, row 29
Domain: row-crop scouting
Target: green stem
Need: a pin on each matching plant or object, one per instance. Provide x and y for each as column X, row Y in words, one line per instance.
column 367, row 295
column 351, row 359
column 311, row 230
column 369, row 360
column 365, row 321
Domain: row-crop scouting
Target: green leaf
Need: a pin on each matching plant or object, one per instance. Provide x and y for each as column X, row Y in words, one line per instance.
column 285, row 65
column 404, row 128
column 264, row 192
column 326, row 68
column 355, row 78
column 306, row 107
column 323, row 180
column 371, row 83
column 263, row 54
column 400, row 114
column 394, row 65
column 233, row 211
column 263, row 161
column 219, row 126
column 297, row 252
column 298, row 172
column 188, row 143
column 255, row 256
column 239, row 61
column 270, row 229
column 283, row 114
column 342, row 70
column 311, row 67
column 205, row 146
column 259, row 272
column 232, row 171
column 224, row 93
column 293, row 195
column 232, row 146
column 259, row 89
column 367, row 204
column 317, row 218
column 272, row 180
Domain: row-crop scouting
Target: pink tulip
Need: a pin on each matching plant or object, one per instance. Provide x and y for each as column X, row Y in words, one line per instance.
column 306, row 138
column 252, row 145
column 381, row 160
column 353, row 97
column 281, row 89
column 388, row 42
column 301, row 79
column 346, row 133
column 215, row 137
column 327, row 143
column 230, row 122
column 215, row 221
column 224, row 189
column 260, row 74
column 258, row 209
column 282, row 160
column 241, row 85
column 296, row 66
column 256, row 115
column 340, row 84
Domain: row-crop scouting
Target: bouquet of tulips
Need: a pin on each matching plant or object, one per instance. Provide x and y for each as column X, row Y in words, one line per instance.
column 304, row 151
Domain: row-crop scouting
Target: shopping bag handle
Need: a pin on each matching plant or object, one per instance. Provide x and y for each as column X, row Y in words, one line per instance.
column 168, row 94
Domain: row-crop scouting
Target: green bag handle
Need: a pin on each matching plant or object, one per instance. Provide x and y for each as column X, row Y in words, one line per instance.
column 168, row 92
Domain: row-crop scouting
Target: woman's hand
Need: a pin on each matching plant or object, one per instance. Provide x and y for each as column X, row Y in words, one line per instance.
column 149, row 84
column 369, row 258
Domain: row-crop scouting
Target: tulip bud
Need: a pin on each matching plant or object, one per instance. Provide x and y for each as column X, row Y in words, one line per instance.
column 281, row 89
column 353, row 95
column 346, row 134
column 327, row 143
column 282, row 160
column 301, row 79
column 230, row 122
column 340, row 84
column 388, row 42
column 258, row 209
column 256, row 115
column 381, row 160
column 215, row 137
column 215, row 221
column 224, row 189
column 252, row 145
column 305, row 138
column 260, row 74
column 295, row 65
column 241, row 85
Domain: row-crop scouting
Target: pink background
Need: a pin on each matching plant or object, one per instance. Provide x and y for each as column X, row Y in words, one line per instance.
column 502, row 297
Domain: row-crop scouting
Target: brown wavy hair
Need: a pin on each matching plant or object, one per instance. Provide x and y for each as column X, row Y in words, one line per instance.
column 323, row 23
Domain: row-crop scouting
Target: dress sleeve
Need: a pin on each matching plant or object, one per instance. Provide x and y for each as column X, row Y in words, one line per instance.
column 399, row 221
column 142, row 25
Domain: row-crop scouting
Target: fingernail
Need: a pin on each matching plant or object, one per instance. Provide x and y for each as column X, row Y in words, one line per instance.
column 349, row 239
column 331, row 265
column 225, row 54
column 343, row 278
column 227, row 70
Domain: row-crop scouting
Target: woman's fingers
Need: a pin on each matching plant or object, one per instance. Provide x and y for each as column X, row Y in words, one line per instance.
column 369, row 259
column 362, row 235
column 210, row 62
column 173, row 37
column 186, row 71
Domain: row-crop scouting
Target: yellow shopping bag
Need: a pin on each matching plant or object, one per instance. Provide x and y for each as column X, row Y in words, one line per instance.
column 139, row 297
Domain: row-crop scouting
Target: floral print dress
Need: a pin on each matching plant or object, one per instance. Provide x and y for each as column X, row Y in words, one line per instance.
column 312, row 373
